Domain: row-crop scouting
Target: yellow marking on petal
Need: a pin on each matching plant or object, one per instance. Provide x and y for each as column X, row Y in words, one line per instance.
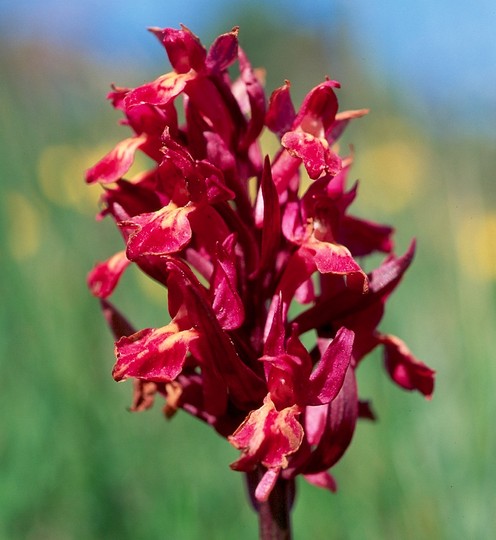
column 252, row 433
column 24, row 226
column 115, row 261
column 165, row 331
column 176, row 337
column 172, row 79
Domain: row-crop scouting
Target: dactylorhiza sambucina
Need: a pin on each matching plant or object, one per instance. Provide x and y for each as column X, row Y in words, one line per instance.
column 236, row 237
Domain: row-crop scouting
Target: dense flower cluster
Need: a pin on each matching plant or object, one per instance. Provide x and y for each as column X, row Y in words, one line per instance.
column 236, row 238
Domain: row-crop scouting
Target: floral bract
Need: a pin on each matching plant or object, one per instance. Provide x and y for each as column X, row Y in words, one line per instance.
column 237, row 238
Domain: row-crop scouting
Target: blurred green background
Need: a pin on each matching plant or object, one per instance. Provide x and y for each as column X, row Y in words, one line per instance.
column 75, row 464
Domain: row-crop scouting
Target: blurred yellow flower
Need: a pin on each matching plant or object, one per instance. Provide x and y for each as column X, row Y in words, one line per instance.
column 476, row 245
column 60, row 172
column 393, row 173
column 396, row 169
column 24, row 226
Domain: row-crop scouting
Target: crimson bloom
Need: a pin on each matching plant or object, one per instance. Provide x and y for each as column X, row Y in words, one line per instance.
column 239, row 239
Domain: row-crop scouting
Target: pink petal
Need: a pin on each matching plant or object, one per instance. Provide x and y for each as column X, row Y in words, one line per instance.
column 184, row 49
column 103, row 279
column 404, row 368
column 162, row 91
column 293, row 226
column 315, row 153
column 256, row 97
column 267, row 436
column 226, row 302
column 223, row 51
column 318, row 110
column 266, row 485
column 245, row 235
column 330, row 258
column 271, row 230
column 157, row 233
column 299, row 268
column 315, row 423
column 218, row 152
column 385, row 278
column 305, row 293
column 285, row 170
column 341, row 303
column 281, row 114
column 117, row 162
column 153, row 354
column 365, row 237
column 322, row 480
column 274, row 334
column 245, row 386
column 126, row 199
column 327, row 378
column 215, row 110
column 342, row 414
column 118, row 324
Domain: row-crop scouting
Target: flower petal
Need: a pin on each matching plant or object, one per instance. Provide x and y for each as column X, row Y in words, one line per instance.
column 125, row 199
column 274, row 334
column 315, row 423
column 226, row 302
column 256, row 97
column 342, row 303
column 162, row 91
column 342, row 414
column 119, row 325
column 330, row 258
column 327, row 378
column 143, row 395
column 405, row 370
column 207, row 99
column 271, row 230
column 315, row 153
column 184, row 49
column 154, row 355
column 223, row 51
column 159, row 233
column 281, row 113
column 318, row 110
column 364, row 237
column 266, row 484
column 322, row 480
column 104, row 277
column 245, row 386
column 117, row 162
column 267, row 436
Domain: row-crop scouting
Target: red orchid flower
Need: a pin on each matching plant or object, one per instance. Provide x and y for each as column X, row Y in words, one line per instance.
column 237, row 240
